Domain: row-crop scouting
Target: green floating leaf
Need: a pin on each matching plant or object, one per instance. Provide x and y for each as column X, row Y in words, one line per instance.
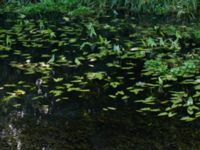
column 190, row 101
column 112, row 96
column 115, row 84
column 149, row 100
column 125, row 97
column 163, row 114
column 187, row 119
column 17, row 105
column 136, row 91
column 58, row 79
column 145, row 109
column 19, row 92
column 109, row 108
column 77, row 62
column 96, row 75
column 56, row 93
column 171, row 114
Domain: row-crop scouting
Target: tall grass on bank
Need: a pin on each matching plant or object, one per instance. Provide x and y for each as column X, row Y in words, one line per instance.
column 136, row 6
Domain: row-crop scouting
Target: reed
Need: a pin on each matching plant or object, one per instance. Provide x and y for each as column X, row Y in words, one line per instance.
column 135, row 6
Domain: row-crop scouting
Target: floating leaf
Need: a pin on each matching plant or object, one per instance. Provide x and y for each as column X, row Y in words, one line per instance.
column 58, row 79
column 187, row 119
column 19, row 92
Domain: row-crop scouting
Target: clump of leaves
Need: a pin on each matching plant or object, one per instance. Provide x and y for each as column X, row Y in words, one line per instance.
column 96, row 75
column 157, row 66
column 162, row 68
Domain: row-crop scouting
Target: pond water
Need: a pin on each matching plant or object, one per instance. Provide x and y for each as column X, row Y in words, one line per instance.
column 102, row 84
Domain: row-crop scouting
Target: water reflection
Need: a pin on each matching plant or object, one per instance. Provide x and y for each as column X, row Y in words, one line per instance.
column 105, row 132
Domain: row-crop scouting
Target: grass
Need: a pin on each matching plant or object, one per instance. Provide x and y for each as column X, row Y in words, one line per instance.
column 179, row 7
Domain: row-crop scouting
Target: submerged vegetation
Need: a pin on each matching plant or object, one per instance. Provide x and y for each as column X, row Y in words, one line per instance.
column 88, row 65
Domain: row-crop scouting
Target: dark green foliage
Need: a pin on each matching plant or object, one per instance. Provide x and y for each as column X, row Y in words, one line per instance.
column 76, row 73
column 179, row 7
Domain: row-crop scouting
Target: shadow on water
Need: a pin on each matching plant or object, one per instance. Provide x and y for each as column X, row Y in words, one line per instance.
column 107, row 132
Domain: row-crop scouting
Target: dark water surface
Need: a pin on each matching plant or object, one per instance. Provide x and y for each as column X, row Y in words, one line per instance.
column 69, row 85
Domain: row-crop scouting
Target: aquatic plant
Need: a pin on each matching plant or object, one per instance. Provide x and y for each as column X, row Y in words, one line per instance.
column 101, row 66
